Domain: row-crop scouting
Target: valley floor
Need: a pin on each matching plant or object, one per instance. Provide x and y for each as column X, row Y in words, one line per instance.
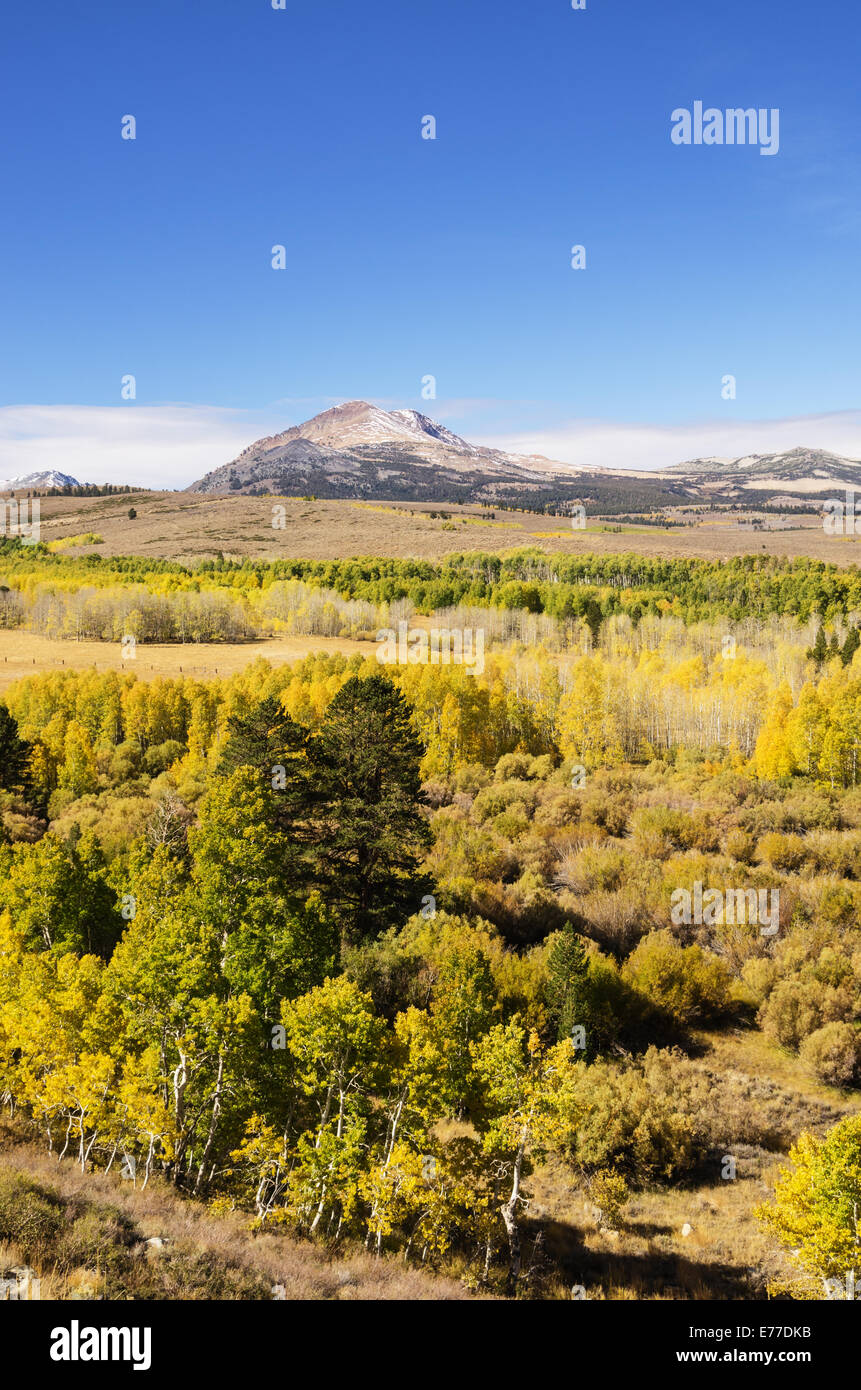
column 27, row 654
column 189, row 527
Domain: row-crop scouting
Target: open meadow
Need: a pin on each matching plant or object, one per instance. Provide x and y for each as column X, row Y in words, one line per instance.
column 27, row 654
column 189, row 527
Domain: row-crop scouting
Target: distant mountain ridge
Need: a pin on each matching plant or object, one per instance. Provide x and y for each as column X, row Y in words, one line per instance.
column 39, row 482
column 804, row 465
column 360, row 450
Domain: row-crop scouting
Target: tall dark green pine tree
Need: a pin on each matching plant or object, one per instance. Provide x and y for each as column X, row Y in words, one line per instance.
column 366, row 807
column 850, row 646
column 566, row 991
column 14, row 754
column 267, row 739
column 819, row 651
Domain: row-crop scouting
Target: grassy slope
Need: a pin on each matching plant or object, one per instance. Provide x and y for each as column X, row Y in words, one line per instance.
column 188, row 527
column 84, row 1236
column 727, row 1255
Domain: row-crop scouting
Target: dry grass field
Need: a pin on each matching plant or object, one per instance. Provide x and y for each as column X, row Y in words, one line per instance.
column 25, row 654
column 100, row 1252
column 189, row 527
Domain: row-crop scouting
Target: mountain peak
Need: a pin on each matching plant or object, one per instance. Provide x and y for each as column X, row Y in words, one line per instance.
column 358, row 424
column 358, row 449
column 39, row 482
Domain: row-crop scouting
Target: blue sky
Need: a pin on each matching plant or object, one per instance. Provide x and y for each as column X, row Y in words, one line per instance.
column 408, row 257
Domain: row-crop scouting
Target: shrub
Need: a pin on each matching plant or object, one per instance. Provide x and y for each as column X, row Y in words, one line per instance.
column 765, row 816
column 59, row 801
column 471, row 778
column 833, row 1054
column 740, row 846
column 832, row 968
column 643, row 1119
column 759, row 973
column 701, row 834
column 810, row 811
column 206, row 1275
column 513, row 822
column 31, row 1217
column 385, row 968
column 837, row 904
column 610, row 1193
column 793, row 1011
column 610, row 812
column 558, row 807
column 523, row 911
column 784, row 852
column 615, row 920
column 161, row 756
column 99, row 1237
column 685, row 981
column 595, row 868
column 835, row 852
column 498, row 797
column 541, row 767
column 658, row 831
column 513, row 766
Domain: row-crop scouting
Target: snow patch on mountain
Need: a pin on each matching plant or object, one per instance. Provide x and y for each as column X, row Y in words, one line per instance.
column 38, row 482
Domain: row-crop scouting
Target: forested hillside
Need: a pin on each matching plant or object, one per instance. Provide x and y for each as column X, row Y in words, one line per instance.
column 162, row 600
column 395, row 959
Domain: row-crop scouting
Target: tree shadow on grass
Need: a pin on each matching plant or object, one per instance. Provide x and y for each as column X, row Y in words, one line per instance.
column 647, row 1275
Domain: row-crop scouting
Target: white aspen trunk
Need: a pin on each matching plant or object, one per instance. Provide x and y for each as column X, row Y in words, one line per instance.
column 216, row 1111
column 509, row 1215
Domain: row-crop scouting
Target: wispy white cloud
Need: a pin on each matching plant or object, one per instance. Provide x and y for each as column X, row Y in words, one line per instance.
column 169, row 446
column 605, row 444
column 163, row 446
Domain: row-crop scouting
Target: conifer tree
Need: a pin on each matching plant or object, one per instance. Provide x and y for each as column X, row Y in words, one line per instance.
column 270, row 741
column 366, row 794
column 819, row 651
column 566, row 989
column 266, row 738
column 850, row 646
column 14, row 754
